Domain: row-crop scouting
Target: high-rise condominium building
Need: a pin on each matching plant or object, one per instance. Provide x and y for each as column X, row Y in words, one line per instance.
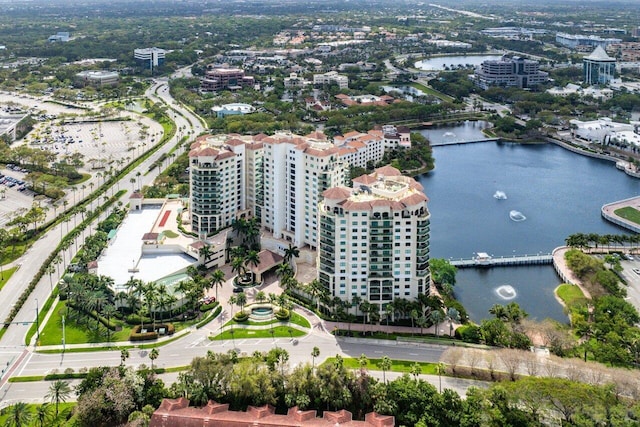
column 374, row 238
column 225, row 181
column 296, row 172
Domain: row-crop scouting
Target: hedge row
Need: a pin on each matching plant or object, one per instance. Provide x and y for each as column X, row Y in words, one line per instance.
column 136, row 335
column 209, row 318
column 207, row 307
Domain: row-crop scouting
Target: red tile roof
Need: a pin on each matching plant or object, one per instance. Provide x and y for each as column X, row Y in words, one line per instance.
column 177, row 413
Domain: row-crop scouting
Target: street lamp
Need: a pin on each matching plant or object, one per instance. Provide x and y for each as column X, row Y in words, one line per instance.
column 37, row 324
column 63, row 336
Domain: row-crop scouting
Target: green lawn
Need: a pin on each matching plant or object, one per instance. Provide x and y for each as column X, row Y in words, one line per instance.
column 431, row 91
column 629, row 213
column 6, row 275
column 570, row 294
column 77, row 333
column 238, row 334
column 62, row 407
column 396, row 365
column 295, row 318
column 170, row 234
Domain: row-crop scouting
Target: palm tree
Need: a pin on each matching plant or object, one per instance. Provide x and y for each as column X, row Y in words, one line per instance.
column 436, row 318
column 260, row 296
column 59, row 391
column 232, row 301
column 109, row 311
column 237, row 266
column 385, row 365
column 205, row 252
column 241, row 300
column 42, row 414
column 183, row 288
column 252, row 259
column 315, row 289
column 151, row 298
column 217, row 280
column 452, row 316
column 314, row 353
column 124, row 355
column 153, row 355
column 19, row 415
column 290, row 253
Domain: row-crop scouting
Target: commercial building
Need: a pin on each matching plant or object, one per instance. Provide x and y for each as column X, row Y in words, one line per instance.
column 598, row 68
column 573, row 41
column 374, row 239
column 225, row 78
column 150, row 58
column 296, row 172
column 517, row 71
column 97, row 78
column 60, row 37
column 233, row 109
column 331, row 77
column 605, row 130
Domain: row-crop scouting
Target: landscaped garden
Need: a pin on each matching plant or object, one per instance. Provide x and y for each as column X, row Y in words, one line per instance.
column 243, row 333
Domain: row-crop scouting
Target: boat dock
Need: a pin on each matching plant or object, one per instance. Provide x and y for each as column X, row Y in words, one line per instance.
column 503, row 261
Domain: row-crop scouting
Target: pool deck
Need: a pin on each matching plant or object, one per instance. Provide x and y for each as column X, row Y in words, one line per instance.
column 124, row 259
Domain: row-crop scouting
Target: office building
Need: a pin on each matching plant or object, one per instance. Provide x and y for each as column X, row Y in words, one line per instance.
column 374, row 239
column 598, row 67
column 573, row 41
column 150, row 58
column 97, row 78
column 225, row 79
column 331, row 77
column 296, row 172
column 506, row 72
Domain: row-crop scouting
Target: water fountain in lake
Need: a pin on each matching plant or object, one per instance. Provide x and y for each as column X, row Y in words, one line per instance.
column 500, row 195
column 506, row 292
column 517, row 216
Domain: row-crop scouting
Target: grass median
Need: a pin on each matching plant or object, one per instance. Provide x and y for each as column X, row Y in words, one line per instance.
column 396, row 365
column 244, row 333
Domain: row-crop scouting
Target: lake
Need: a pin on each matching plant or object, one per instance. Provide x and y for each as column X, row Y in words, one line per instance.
column 558, row 192
column 438, row 63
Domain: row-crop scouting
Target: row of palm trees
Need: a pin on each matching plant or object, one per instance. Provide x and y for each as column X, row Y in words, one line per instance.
column 594, row 240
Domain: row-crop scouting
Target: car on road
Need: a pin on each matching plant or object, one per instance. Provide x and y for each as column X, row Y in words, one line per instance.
column 636, row 270
column 238, row 290
column 630, row 258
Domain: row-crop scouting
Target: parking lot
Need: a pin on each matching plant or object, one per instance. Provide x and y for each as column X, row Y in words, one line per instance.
column 99, row 143
column 631, row 275
column 12, row 200
column 102, row 144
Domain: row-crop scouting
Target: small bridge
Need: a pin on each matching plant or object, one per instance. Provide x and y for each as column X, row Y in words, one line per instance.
column 504, row 261
column 473, row 141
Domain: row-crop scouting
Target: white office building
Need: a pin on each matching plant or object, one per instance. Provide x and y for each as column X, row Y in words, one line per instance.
column 374, row 239
column 150, row 58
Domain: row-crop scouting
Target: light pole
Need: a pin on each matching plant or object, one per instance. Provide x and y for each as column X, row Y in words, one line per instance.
column 37, row 324
column 63, row 336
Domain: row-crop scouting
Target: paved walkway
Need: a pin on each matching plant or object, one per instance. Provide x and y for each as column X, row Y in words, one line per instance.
column 560, row 263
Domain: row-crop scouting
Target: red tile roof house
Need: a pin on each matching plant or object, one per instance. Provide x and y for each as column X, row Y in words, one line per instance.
column 177, row 413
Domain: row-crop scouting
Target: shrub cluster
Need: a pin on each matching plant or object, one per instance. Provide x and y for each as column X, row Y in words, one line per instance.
column 283, row 314
column 241, row 316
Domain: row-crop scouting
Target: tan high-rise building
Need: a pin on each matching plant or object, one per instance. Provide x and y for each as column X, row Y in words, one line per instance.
column 374, row 239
